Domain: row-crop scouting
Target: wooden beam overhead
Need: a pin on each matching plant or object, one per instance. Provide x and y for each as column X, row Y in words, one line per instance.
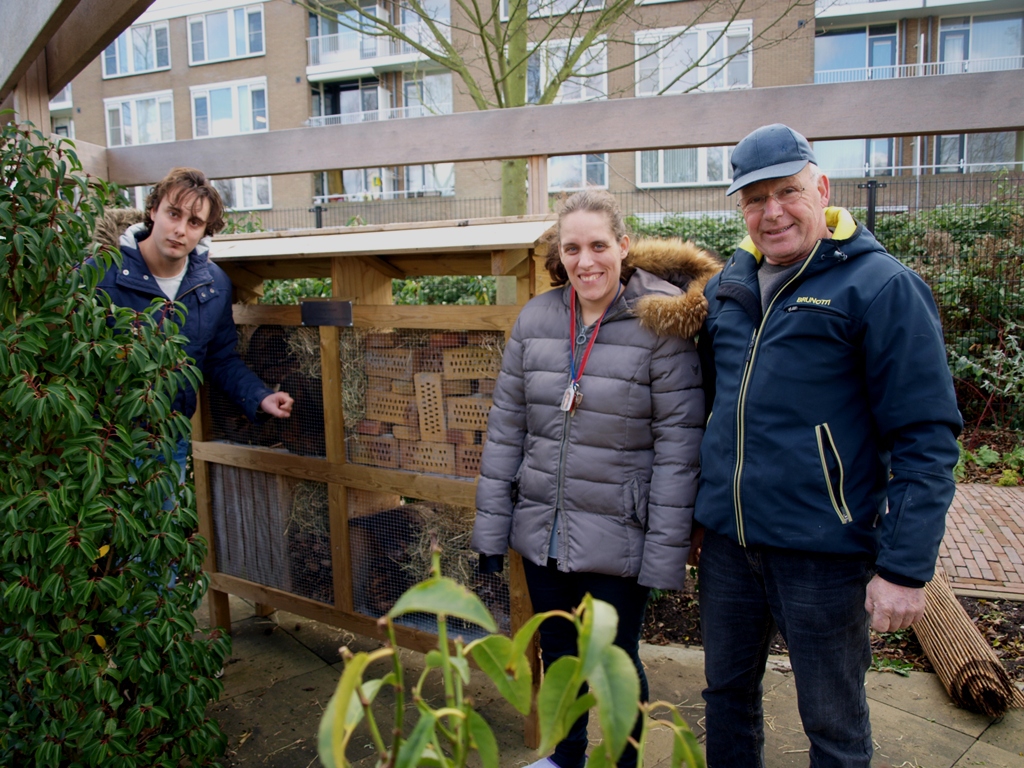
column 379, row 264
column 72, row 48
column 26, row 28
column 985, row 101
column 504, row 262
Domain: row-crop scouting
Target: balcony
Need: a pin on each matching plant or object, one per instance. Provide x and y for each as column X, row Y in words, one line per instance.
column 832, row 9
column 395, row 194
column 62, row 103
column 375, row 115
column 918, row 70
column 350, row 53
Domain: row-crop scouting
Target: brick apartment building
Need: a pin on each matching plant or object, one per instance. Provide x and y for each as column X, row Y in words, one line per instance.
column 196, row 68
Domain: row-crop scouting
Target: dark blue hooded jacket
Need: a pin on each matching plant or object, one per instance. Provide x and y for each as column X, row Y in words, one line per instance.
column 209, row 326
column 834, row 422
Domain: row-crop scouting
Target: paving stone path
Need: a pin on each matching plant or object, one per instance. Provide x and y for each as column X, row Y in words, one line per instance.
column 983, row 550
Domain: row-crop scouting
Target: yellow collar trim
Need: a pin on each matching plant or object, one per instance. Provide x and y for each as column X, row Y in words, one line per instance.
column 839, row 220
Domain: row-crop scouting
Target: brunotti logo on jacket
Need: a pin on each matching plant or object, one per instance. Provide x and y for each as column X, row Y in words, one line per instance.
column 812, row 300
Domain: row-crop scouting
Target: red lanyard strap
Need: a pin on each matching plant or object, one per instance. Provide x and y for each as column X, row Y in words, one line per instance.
column 573, row 373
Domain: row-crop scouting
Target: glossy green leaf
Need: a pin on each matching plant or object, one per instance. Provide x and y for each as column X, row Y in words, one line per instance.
column 616, row 687
column 483, row 740
column 557, row 693
column 443, row 596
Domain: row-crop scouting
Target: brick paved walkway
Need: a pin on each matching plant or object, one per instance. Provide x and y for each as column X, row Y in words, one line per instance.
column 983, row 550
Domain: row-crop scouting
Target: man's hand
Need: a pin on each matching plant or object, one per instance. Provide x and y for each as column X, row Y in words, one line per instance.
column 278, row 404
column 891, row 606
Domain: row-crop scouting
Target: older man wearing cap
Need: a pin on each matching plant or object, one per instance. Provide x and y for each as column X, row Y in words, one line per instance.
column 827, row 461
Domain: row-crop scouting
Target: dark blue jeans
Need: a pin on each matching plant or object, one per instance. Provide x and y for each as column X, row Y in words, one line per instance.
column 817, row 603
column 550, row 590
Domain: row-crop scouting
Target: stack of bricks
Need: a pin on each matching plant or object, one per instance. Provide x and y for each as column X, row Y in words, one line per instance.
column 427, row 406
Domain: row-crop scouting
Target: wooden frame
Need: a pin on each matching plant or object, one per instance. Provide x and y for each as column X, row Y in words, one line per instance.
column 361, row 262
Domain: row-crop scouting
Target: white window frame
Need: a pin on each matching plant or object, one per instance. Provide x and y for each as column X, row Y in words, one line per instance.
column 583, row 159
column 251, row 85
column 232, row 32
column 439, row 179
column 702, row 170
column 238, row 185
column 161, row 98
column 556, row 7
column 720, row 32
column 123, row 49
column 591, row 87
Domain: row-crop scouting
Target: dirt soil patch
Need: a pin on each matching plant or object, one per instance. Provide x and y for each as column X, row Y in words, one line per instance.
column 674, row 617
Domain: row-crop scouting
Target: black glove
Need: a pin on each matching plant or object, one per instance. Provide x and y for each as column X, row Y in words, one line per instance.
column 492, row 563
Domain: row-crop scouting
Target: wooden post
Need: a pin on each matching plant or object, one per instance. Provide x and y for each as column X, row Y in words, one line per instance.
column 362, row 283
column 521, row 610
column 220, row 609
column 337, row 495
column 537, row 185
column 31, row 99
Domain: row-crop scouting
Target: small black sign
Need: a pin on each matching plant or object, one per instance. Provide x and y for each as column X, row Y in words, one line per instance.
column 332, row 312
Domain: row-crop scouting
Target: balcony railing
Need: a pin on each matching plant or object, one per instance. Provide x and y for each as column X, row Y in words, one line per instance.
column 374, row 115
column 918, row 70
column 351, row 46
column 394, row 194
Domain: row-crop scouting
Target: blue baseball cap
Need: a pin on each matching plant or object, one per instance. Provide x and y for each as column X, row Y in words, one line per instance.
column 771, row 152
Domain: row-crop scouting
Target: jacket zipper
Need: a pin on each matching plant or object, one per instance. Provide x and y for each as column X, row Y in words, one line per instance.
column 741, row 407
column 823, row 436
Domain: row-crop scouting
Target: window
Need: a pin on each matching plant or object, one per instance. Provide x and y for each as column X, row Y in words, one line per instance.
column 863, row 53
column 244, row 194
column 855, row 157
column 590, row 83
column 146, row 118
column 678, row 167
column 978, row 152
column 145, row 48
column 226, row 109
column 438, row 179
column 704, row 57
column 232, row 34
column 537, row 8
column 136, row 197
column 351, row 101
column 426, row 94
column 577, row 172
column 981, row 43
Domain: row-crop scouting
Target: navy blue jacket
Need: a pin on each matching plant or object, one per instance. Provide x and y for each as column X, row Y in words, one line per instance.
column 834, row 422
column 209, row 326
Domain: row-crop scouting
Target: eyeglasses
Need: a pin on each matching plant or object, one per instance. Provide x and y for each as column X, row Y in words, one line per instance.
column 784, row 196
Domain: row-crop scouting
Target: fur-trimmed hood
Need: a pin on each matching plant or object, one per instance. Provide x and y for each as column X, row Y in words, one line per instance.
column 685, row 266
column 112, row 225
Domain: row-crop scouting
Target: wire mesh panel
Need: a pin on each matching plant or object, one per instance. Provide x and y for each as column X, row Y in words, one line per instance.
column 286, row 358
column 391, row 552
column 418, row 399
column 272, row 530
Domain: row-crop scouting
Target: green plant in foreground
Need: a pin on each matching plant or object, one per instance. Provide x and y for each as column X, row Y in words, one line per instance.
column 445, row 737
column 99, row 564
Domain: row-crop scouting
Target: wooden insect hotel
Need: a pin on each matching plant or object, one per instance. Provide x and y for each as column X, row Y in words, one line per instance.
column 330, row 514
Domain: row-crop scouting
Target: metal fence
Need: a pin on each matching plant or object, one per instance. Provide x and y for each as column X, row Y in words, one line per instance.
column 892, row 194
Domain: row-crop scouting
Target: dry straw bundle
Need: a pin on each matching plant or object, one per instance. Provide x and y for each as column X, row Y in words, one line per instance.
column 963, row 660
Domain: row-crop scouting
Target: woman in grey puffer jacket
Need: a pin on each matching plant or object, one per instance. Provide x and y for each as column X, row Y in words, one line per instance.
column 591, row 462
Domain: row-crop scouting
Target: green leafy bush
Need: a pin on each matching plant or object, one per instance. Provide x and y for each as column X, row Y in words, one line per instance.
column 720, row 235
column 102, row 662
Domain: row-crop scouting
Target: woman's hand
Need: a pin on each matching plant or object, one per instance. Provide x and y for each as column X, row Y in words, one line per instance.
column 696, row 542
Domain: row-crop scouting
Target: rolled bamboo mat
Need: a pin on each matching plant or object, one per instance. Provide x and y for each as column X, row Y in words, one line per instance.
column 963, row 659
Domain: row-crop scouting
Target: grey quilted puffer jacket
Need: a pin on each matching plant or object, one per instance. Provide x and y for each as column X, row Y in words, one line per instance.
column 619, row 476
